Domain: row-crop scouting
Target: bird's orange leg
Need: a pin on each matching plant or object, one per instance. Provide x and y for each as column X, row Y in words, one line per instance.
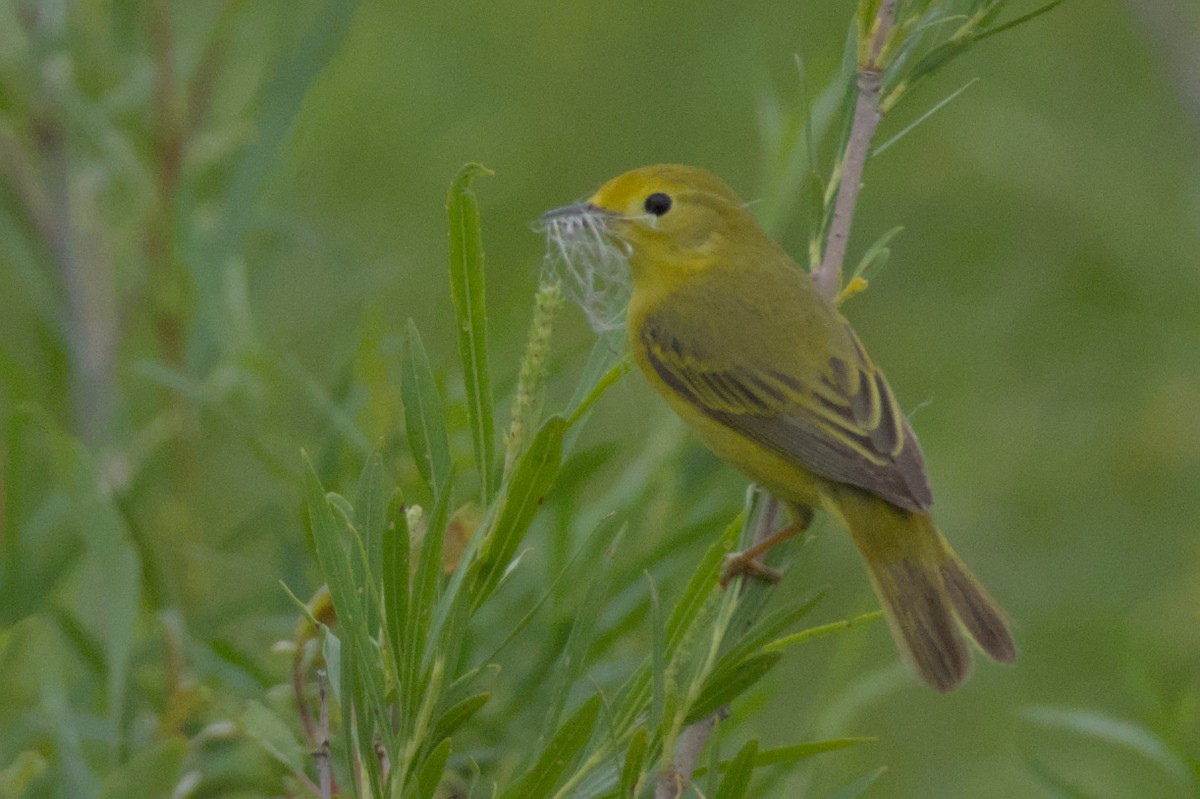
column 747, row 564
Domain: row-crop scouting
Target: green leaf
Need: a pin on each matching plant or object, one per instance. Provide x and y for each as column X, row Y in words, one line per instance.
column 331, row 653
column 424, row 414
column 331, row 550
column 876, row 255
column 150, row 772
column 700, row 586
column 860, row 786
column 432, row 770
column 457, row 714
column 467, row 291
column 370, row 511
column 658, row 658
column 562, row 750
column 1057, row 785
column 790, row 755
column 1117, row 732
column 635, row 761
column 601, row 531
column 573, row 660
column 762, row 631
column 787, row 641
column 396, row 546
column 274, row 736
column 736, row 782
column 913, row 125
column 727, row 684
column 425, row 590
column 531, row 480
column 337, row 545
column 1021, row 20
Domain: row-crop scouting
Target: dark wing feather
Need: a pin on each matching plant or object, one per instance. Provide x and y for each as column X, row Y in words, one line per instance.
column 846, row 426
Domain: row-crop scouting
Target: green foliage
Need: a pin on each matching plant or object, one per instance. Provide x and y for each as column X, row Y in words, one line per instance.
column 216, row 220
column 408, row 640
column 467, row 291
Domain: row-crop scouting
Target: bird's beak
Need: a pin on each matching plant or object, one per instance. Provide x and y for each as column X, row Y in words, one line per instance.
column 574, row 211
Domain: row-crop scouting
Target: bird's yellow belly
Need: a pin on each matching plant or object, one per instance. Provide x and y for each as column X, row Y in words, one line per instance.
column 783, row 478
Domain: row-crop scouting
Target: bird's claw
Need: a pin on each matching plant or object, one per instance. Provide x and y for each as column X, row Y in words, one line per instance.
column 738, row 565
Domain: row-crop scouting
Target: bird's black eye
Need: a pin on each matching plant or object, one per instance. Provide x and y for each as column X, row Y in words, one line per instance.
column 658, row 203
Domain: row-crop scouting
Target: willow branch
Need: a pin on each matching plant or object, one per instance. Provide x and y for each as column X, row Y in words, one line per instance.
column 324, row 768
column 828, row 276
column 673, row 779
column 691, row 743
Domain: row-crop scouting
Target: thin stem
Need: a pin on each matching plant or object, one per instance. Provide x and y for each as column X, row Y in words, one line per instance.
column 324, row 772
column 687, row 753
column 690, row 743
column 828, row 276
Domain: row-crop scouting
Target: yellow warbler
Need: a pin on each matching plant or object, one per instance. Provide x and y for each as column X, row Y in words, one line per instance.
column 772, row 378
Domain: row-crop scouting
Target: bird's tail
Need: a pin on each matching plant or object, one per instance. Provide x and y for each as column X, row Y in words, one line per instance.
column 929, row 596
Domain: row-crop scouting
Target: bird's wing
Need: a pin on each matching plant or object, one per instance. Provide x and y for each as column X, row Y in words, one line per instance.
column 841, row 421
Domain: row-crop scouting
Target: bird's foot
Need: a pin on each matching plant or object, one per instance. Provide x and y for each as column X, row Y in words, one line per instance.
column 746, row 564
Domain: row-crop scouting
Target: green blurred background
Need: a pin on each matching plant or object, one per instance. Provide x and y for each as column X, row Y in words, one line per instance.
column 208, row 252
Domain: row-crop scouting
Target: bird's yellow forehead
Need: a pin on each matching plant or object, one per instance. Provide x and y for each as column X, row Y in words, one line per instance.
column 626, row 193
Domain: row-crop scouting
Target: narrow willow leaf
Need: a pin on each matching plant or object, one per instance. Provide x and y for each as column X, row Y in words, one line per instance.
column 559, row 755
column 423, row 598
column 736, row 782
column 1021, row 20
column 876, row 255
column 605, row 352
column 456, row 715
column 462, row 685
column 467, row 291
column 913, row 125
column 768, row 627
column 1058, row 786
column 635, row 761
column 274, row 736
column 531, row 480
column 1117, row 732
column 573, row 661
column 860, row 786
column 370, row 509
column 726, row 685
column 331, row 552
column 602, row 531
column 787, row 641
column 714, row 756
column 700, row 586
column 658, row 658
column 331, row 653
column 424, row 414
column 432, row 770
column 396, row 546
column 334, row 542
column 790, row 755
column 640, row 688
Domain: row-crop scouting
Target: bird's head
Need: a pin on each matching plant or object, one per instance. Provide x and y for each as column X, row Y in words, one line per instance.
column 669, row 217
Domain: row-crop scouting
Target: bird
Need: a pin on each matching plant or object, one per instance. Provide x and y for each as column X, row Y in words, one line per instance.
column 734, row 334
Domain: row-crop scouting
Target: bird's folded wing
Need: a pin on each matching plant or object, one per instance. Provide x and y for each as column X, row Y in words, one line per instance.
column 841, row 422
